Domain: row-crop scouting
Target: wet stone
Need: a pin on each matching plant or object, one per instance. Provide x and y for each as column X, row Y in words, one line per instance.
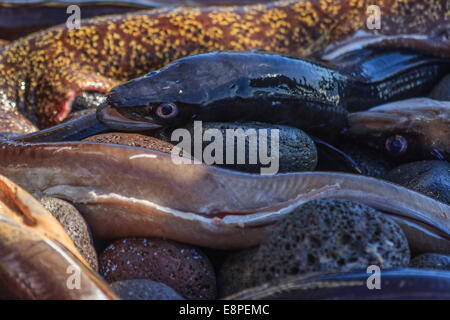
column 431, row 178
column 182, row 267
column 327, row 236
column 431, row 261
column 75, row 226
column 297, row 151
column 370, row 162
column 139, row 289
column 234, row 274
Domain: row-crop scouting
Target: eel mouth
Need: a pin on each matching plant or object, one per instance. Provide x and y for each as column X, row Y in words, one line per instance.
column 112, row 118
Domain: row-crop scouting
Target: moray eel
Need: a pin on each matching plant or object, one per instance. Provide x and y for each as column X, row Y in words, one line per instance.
column 402, row 283
column 19, row 18
column 224, row 86
column 37, row 257
column 411, row 129
column 198, row 204
column 40, row 75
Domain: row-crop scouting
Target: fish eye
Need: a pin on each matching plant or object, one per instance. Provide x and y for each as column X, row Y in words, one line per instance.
column 167, row 111
column 396, row 145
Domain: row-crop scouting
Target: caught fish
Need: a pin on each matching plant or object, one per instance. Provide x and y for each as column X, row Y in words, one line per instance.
column 37, row 257
column 21, row 17
column 411, row 129
column 42, row 74
column 128, row 191
column 225, row 86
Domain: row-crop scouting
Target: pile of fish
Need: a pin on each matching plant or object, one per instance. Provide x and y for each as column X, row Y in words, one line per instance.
column 359, row 129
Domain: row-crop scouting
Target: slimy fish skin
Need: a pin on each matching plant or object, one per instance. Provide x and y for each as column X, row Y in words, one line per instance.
column 224, row 86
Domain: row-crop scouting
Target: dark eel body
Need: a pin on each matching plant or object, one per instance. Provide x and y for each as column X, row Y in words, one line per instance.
column 269, row 88
column 404, row 283
column 41, row 74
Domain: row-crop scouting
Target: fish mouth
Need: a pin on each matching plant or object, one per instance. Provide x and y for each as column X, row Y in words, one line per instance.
column 110, row 117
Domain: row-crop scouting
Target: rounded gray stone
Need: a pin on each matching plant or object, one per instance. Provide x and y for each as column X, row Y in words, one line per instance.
column 297, row 151
column 75, row 226
column 329, row 236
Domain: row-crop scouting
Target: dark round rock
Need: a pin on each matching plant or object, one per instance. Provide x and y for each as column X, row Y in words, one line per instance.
column 182, row 267
column 141, row 289
column 234, row 274
column 297, row 151
column 133, row 140
column 75, row 226
column 370, row 162
column 431, row 178
column 329, row 236
column 431, row 261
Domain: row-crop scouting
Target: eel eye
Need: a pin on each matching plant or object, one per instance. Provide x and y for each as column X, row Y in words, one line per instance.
column 167, row 111
column 396, row 145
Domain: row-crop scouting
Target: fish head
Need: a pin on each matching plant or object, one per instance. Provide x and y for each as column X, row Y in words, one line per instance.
column 412, row 129
column 172, row 95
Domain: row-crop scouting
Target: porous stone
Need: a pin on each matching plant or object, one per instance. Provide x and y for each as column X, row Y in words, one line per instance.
column 140, row 289
column 328, row 236
column 234, row 274
column 133, row 140
column 431, row 261
column 431, row 178
column 182, row 267
column 75, row 226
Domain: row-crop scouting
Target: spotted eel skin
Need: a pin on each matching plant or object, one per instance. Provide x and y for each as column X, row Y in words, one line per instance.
column 19, row 18
column 41, row 74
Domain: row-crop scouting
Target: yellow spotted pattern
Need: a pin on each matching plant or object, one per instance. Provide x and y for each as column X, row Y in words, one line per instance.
column 40, row 74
